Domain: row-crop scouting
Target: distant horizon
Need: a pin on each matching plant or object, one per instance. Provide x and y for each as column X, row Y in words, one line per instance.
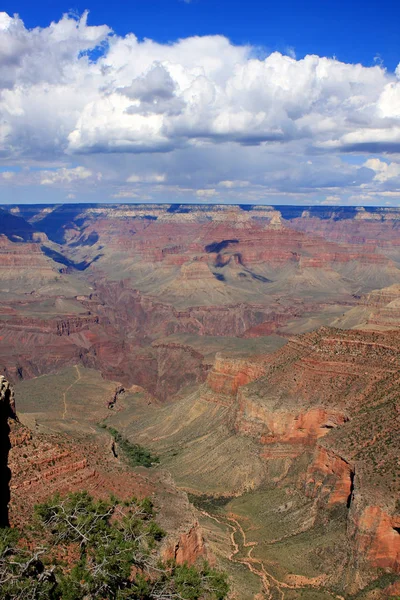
column 316, row 207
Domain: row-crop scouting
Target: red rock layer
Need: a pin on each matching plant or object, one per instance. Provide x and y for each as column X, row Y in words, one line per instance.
column 176, row 241
column 228, row 374
column 364, row 230
column 42, row 465
column 189, row 548
column 330, row 397
column 299, row 427
column 57, row 326
column 375, row 536
column 329, row 478
column 27, row 257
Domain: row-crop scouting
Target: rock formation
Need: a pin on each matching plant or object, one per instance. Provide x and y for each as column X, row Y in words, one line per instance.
column 189, row 548
column 333, row 395
column 43, row 464
column 7, row 411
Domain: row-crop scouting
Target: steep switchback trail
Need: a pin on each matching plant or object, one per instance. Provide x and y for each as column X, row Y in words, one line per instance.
column 241, row 553
column 249, row 561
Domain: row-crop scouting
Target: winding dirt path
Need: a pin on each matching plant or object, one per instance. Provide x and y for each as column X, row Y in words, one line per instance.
column 256, row 566
column 67, row 390
column 250, row 562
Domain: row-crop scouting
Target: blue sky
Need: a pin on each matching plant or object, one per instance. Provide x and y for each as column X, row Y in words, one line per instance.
column 170, row 100
column 354, row 31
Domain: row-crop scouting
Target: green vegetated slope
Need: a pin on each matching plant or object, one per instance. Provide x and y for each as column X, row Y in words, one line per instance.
column 79, row 548
column 134, row 454
column 194, row 442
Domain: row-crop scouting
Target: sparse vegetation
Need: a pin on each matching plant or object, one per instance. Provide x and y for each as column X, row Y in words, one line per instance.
column 135, row 454
column 209, row 503
column 80, row 548
column 383, row 581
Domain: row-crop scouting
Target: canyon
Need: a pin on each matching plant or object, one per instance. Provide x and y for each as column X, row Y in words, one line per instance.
column 255, row 350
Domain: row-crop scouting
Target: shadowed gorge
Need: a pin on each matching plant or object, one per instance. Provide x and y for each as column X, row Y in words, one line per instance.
column 240, row 364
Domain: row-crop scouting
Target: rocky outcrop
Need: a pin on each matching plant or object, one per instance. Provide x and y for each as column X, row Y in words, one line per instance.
column 296, row 427
column 7, row 411
column 330, row 400
column 75, row 325
column 63, row 326
column 119, row 391
column 45, row 464
column 228, row 374
column 375, row 535
column 329, row 479
column 189, row 548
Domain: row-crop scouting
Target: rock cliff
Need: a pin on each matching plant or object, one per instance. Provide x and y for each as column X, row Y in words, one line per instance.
column 7, row 411
column 332, row 396
column 34, row 466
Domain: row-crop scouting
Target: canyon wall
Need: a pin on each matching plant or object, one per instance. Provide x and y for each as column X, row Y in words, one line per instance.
column 7, row 411
column 328, row 402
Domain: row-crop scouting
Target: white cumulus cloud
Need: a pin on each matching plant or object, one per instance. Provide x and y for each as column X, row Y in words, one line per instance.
column 384, row 171
column 64, row 175
column 200, row 113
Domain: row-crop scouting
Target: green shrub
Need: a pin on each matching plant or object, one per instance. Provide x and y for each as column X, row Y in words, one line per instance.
column 135, row 454
column 114, row 545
